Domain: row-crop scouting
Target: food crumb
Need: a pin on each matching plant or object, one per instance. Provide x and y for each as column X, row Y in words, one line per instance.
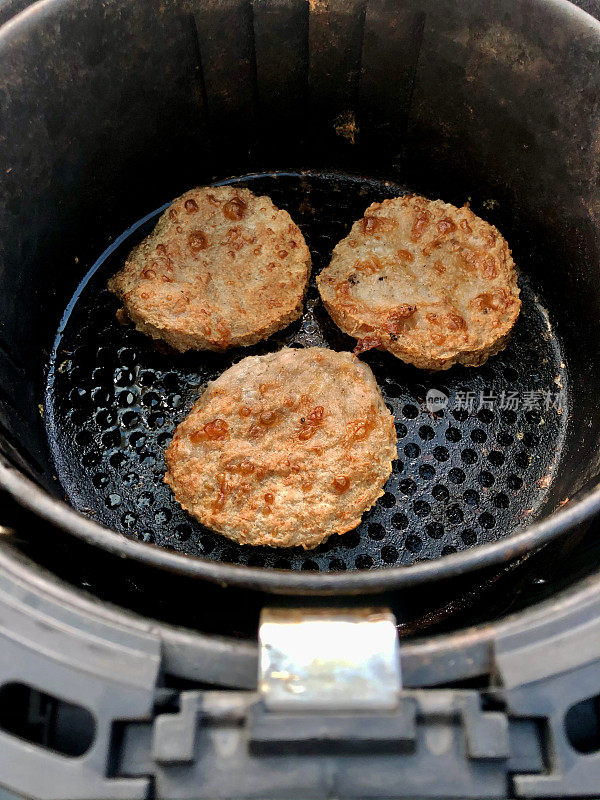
column 490, row 204
column 345, row 125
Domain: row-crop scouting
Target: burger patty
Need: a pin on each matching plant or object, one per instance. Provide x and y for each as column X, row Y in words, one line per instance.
column 284, row 449
column 432, row 283
column 222, row 268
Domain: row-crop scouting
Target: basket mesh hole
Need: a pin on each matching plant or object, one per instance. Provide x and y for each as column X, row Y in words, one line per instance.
column 486, row 520
column 376, row 531
column 435, row 530
column 407, row 486
column 118, row 459
column 389, row 554
column 486, row 479
column 453, row 435
column 469, row 456
column 400, row 521
column 421, row 508
column 479, row 436
column 410, row 411
column 441, row 453
column 471, row 497
column 414, row 543
column 501, row 500
column 456, row 475
column 440, row 492
column 514, row 482
column 469, row 537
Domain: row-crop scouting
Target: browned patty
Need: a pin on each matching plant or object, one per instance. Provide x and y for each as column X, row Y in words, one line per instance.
column 432, row 283
column 222, row 268
column 284, row 449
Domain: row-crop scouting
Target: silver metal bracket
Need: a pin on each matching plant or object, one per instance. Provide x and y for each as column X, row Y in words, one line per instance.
column 329, row 659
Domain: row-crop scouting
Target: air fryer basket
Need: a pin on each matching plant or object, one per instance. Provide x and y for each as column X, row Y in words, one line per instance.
column 110, row 111
column 465, row 473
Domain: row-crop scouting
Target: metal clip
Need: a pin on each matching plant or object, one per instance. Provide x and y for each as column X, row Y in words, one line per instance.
column 342, row 660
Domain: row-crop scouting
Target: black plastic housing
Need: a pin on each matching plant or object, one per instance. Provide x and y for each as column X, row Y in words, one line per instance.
column 109, row 110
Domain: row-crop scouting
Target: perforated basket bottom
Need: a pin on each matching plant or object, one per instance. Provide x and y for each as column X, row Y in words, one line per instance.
column 465, row 475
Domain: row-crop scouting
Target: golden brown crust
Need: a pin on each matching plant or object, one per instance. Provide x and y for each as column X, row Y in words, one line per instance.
column 284, row 449
column 222, row 268
column 432, row 283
